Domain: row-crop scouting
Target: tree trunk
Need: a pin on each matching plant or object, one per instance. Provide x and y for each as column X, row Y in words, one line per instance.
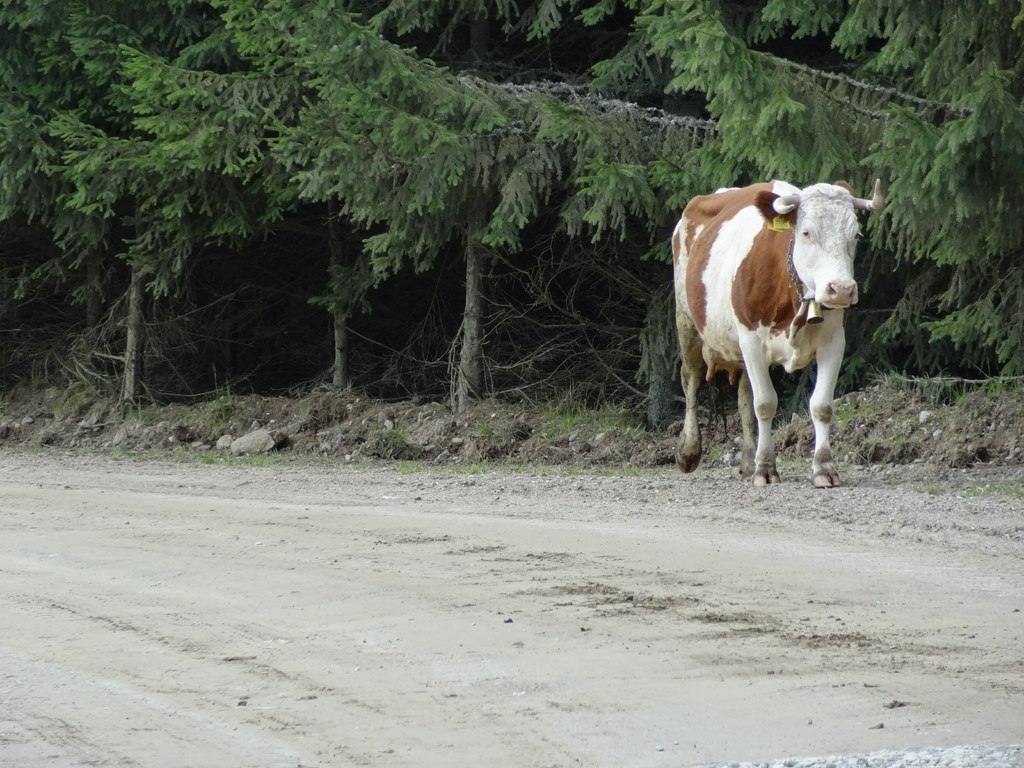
column 93, row 292
column 470, row 381
column 335, row 237
column 480, row 38
column 340, row 378
column 135, row 345
column 661, row 349
column 469, row 385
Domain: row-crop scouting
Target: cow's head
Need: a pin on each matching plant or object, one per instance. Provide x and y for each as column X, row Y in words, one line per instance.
column 825, row 232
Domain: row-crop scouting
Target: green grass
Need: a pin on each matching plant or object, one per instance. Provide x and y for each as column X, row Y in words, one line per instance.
column 73, row 400
column 568, row 415
column 842, row 412
column 147, row 416
column 563, row 415
column 999, row 488
column 713, row 455
column 216, row 415
column 475, row 468
column 389, row 444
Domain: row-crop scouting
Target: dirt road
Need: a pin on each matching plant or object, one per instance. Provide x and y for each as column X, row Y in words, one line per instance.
column 193, row 616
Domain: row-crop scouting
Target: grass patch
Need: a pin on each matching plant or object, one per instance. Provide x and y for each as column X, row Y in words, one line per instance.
column 392, row 444
column 998, row 488
column 568, row 415
column 216, row 416
column 713, row 456
column 74, row 400
column 974, row 489
column 949, row 390
column 842, row 412
column 143, row 415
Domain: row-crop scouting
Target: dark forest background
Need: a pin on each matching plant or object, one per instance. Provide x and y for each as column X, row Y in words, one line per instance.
column 456, row 199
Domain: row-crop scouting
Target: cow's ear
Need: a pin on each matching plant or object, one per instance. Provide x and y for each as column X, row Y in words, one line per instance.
column 764, row 202
column 845, row 186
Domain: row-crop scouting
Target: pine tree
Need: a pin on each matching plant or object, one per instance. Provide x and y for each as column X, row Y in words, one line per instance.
column 140, row 140
column 87, row 170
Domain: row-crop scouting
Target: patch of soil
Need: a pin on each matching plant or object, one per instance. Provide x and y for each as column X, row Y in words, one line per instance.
column 882, row 425
column 878, row 425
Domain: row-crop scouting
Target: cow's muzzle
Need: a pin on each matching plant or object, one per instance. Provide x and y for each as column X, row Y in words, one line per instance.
column 839, row 294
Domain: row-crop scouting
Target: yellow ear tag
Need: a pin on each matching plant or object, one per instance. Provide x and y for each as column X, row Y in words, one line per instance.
column 779, row 224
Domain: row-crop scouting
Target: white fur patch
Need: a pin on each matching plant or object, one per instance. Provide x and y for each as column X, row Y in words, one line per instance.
column 826, row 234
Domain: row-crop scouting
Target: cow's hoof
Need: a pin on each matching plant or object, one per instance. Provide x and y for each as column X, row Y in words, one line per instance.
column 688, row 455
column 767, row 476
column 826, row 478
column 687, row 463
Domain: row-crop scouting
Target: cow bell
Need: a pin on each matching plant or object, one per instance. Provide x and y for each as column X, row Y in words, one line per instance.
column 814, row 313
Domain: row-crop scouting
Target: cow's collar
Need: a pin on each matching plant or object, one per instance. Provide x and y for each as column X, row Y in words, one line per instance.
column 794, row 278
column 809, row 311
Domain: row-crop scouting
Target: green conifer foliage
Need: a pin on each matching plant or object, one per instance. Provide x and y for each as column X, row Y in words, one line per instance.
column 152, row 135
column 926, row 95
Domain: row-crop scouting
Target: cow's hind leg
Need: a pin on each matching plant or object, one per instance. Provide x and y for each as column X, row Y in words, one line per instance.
column 689, row 447
column 746, row 408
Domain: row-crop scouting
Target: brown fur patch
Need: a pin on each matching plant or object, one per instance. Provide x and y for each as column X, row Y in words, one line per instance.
column 763, row 202
column 761, row 291
column 711, row 212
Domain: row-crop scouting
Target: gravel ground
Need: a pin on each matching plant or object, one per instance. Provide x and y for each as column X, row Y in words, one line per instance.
column 317, row 614
column 955, row 757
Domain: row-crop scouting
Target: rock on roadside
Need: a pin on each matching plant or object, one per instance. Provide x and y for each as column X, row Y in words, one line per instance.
column 258, row 441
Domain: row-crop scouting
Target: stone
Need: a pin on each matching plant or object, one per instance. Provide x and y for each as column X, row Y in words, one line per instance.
column 256, row 442
column 121, row 437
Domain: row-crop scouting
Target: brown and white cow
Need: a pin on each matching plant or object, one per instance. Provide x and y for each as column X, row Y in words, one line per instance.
column 764, row 276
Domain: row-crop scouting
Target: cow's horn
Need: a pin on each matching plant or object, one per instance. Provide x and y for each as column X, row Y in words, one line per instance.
column 875, row 203
column 786, row 203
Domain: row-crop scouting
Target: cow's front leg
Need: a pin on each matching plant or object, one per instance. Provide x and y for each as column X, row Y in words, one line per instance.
column 830, row 358
column 766, row 402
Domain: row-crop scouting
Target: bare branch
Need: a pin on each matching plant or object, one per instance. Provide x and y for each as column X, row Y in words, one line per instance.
column 891, row 94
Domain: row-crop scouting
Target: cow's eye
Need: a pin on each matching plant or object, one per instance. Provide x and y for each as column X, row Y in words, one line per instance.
column 806, row 234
